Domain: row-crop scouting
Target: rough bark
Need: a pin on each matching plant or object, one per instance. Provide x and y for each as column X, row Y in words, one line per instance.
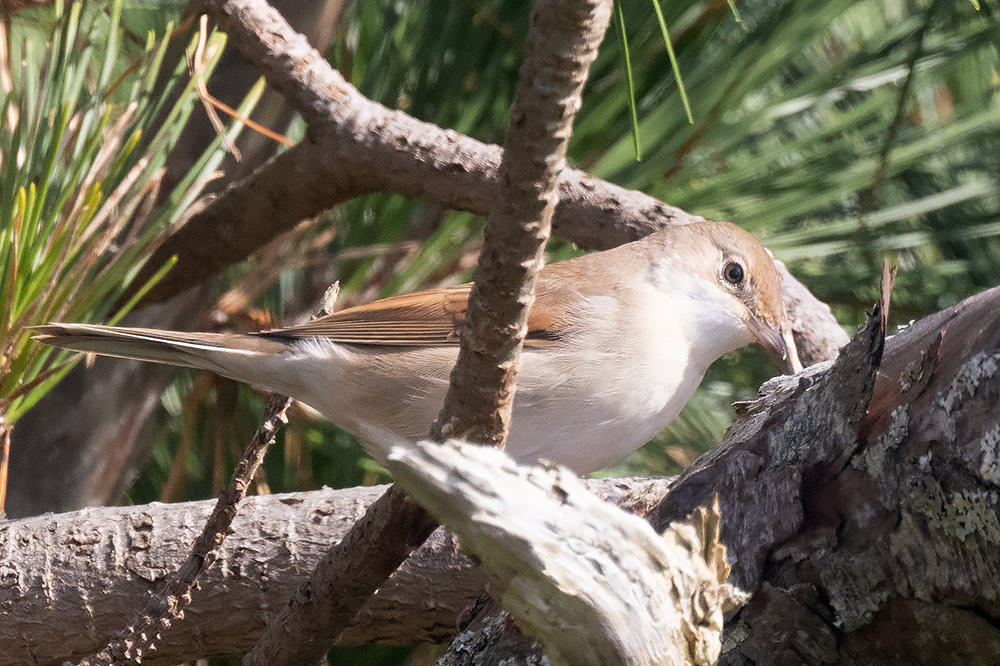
column 561, row 559
column 894, row 556
column 356, row 145
column 69, row 581
column 350, row 573
column 562, row 45
column 864, row 531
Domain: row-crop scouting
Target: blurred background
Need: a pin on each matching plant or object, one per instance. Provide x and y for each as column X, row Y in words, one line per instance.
column 838, row 133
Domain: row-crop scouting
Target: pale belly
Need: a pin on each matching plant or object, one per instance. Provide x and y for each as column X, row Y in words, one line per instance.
column 584, row 412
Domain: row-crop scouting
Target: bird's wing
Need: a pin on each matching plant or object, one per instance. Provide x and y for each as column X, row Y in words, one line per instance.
column 424, row 318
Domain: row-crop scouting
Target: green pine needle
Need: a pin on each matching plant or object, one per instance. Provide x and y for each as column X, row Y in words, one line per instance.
column 673, row 60
column 627, row 64
column 78, row 185
column 736, row 12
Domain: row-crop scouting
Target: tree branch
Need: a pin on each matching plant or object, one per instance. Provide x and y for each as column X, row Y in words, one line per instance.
column 69, row 581
column 356, row 146
column 562, row 44
column 561, row 559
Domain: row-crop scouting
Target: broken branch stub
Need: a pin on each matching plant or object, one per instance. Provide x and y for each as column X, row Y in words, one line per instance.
column 594, row 584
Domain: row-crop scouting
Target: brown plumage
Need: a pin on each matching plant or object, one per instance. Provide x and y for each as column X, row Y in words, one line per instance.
column 617, row 341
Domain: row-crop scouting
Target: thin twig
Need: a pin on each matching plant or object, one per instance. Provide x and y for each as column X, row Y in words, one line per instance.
column 139, row 638
column 869, row 197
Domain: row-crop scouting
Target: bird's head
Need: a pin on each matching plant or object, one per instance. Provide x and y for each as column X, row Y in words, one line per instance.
column 737, row 286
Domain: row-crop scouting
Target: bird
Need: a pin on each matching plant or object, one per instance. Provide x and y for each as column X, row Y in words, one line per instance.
column 617, row 342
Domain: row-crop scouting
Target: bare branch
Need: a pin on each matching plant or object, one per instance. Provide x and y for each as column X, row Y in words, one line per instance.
column 562, row 44
column 356, row 146
column 562, row 559
column 321, row 608
column 70, row 580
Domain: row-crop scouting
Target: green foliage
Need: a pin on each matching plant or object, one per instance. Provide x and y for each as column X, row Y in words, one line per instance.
column 87, row 126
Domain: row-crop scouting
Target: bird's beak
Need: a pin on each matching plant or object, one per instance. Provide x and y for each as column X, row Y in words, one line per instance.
column 779, row 344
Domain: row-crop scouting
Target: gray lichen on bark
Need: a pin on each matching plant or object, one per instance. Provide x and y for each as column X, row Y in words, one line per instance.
column 989, row 466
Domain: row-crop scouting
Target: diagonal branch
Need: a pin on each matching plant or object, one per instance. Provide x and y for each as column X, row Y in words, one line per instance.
column 561, row 558
column 355, row 146
column 562, row 44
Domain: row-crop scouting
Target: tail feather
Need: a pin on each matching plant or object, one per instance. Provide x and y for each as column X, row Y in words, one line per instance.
column 224, row 353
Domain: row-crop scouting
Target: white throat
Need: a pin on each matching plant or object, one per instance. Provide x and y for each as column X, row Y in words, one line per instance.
column 705, row 313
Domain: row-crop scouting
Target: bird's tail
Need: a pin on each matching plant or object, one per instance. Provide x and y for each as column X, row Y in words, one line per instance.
column 228, row 354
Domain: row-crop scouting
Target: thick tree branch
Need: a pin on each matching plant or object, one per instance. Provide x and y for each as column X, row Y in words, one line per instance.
column 356, row 146
column 69, row 581
column 349, row 574
column 562, row 44
column 895, row 555
column 561, row 559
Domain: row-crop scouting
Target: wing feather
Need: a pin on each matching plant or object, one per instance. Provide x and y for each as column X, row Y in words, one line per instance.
column 425, row 318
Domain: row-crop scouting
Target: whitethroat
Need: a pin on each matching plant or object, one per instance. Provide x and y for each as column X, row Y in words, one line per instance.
column 617, row 343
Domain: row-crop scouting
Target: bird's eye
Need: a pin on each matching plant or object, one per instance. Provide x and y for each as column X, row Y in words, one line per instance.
column 733, row 273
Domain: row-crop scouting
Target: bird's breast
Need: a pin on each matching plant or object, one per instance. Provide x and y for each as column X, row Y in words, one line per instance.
column 609, row 384
column 601, row 395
